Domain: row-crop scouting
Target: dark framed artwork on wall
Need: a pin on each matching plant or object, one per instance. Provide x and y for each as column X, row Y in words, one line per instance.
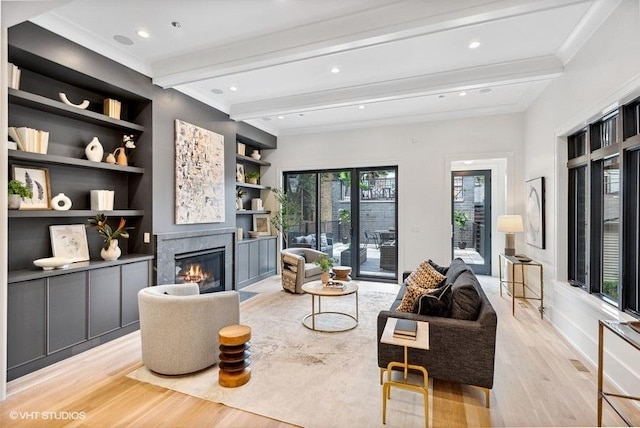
column 534, row 224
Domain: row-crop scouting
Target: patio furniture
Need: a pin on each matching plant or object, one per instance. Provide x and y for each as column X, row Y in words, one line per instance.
column 388, row 253
column 371, row 237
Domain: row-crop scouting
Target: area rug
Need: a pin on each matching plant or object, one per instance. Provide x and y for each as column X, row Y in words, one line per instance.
column 305, row 377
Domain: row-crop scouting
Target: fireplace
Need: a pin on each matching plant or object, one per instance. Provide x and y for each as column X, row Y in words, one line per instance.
column 175, row 250
column 205, row 268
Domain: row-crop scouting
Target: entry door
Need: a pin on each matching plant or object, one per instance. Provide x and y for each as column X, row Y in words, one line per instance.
column 471, row 218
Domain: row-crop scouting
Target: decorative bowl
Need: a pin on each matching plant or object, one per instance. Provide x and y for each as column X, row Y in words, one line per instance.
column 51, row 263
column 255, row 234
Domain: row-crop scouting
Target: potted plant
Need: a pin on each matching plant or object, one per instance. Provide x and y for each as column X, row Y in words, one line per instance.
column 110, row 249
column 17, row 192
column 287, row 217
column 344, row 215
column 252, row 177
column 326, row 263
column 461, row 218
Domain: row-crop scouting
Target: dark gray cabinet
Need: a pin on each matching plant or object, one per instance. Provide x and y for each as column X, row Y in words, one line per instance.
column 69, row 311
column 256, row 260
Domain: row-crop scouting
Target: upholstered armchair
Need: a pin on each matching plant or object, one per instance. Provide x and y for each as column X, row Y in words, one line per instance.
column 298, row 267
column 179, row 327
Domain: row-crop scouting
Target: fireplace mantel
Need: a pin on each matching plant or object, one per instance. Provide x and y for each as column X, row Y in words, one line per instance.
column 168, row 245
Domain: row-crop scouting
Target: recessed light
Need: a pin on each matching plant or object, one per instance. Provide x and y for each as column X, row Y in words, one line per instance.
column 176, row 24
column 143, row 34
column 233, row 88
column 123, row 40
column 484, row 90
column 462, row 94
column 266, row 119
column 474, row 44
column 335, row 70
column 440, row 96
column 468, row 162
column 300, row 114
column 217, row 91
column 280, row 117
column 361, row 107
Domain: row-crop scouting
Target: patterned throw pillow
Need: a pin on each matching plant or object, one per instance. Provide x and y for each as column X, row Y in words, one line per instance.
column 425, row 276
column 412, row 294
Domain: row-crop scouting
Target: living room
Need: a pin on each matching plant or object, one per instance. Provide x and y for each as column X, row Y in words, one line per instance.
column 517, row 146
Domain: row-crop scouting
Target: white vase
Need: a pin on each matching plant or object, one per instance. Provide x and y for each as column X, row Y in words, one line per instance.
column 61, row 202
column 113, row 252
column 14, row 201
column 94, row 150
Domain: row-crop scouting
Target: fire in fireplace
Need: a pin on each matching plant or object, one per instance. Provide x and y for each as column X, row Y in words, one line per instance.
column 205, row 268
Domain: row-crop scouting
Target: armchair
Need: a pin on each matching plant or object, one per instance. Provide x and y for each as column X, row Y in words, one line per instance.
column 179, row 327
column 298, row 267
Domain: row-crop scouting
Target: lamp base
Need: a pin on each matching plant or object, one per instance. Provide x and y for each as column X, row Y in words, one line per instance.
column 509, row 244
column 509, row 251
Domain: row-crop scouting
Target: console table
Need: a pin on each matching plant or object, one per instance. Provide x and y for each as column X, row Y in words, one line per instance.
column 512, row 262
column 624, row 331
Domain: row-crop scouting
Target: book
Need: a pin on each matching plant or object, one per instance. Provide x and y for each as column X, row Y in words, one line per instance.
column 405, row 329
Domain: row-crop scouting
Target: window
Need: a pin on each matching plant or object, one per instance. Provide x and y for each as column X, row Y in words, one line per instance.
column 604, row 208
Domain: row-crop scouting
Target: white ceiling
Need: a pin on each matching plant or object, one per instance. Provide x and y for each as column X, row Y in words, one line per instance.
column 401, row 60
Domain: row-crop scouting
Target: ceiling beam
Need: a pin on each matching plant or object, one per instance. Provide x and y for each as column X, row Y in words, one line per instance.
column 535, row 69
column 350, row 32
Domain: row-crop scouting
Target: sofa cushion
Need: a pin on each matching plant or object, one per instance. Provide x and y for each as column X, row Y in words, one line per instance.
column 441, row 269
column 456, row 267
column 465, row 300
column 425, row 276
column 412, row 294
column 436, row 302
column 311, row 269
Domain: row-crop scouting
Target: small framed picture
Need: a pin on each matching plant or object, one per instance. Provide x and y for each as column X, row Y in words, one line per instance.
column 69, row 242
column 37, row 180
column 261, row 224
column 239, row 173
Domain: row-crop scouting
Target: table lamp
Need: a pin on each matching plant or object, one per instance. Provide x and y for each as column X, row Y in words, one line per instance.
column 510, row 225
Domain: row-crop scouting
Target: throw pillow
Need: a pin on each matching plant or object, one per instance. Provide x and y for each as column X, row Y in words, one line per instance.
column 410, row 296
column 323, row 240
column 465, row 300
column 456, row 267
column 442, row 269
column 425, row 276
column 436, row 302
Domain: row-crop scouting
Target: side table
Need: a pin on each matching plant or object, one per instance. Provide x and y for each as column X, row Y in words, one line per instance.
column 513, row 262
column 421, row 342
column 234, row 355
column 624, row 331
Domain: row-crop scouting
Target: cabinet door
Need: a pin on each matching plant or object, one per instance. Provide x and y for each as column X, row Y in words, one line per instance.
column 135, row 277
column 254, row 259
column 104, row 300
column 26, row 323
column 67, row 310
column 242, row 270
column 271, row 256
column 264, row 256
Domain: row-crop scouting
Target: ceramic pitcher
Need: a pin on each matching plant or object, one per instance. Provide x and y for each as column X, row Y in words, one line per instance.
column 121, row 156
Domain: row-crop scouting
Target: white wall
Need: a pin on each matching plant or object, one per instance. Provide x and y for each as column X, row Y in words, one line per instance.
column 605, row 70
column 423, row 154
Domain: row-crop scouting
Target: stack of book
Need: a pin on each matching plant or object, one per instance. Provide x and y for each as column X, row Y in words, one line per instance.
column 13, row 76
column 29, row 139
column 112, row 108
column 406, row 329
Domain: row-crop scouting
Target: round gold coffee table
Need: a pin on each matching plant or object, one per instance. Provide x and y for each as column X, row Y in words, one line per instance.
column 329, row 321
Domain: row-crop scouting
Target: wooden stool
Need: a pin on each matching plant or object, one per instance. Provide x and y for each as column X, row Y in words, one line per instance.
column 234, row 355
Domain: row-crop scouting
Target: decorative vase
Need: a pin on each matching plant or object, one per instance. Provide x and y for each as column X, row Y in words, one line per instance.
column 94, row 150
column 14, row 202
column 61, row 202
column 110, row 158
column 324, row 278
column 113, row 252
column 121, row 156
column 239, row 204
column 256, row 155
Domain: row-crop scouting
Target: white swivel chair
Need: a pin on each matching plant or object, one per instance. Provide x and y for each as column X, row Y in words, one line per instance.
column 179, row 327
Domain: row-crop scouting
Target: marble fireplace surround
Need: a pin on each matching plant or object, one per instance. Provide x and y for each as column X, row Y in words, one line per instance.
column 168, row 245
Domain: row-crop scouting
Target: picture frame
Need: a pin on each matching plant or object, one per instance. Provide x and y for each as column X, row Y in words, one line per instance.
column 69, row 242
column 36, row 179
column 262, row 224
column 239, row 173
column 535, row 220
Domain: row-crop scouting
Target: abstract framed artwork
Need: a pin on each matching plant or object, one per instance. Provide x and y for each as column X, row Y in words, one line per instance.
column 199, row 175
column 37, row 180
column 262, row 224
column 69, row 242
column 534, row 224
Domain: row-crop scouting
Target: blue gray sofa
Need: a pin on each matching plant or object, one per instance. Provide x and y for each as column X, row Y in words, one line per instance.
column 460, row 350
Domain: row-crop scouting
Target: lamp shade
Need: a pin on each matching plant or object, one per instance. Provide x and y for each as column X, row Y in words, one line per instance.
column 510, row 223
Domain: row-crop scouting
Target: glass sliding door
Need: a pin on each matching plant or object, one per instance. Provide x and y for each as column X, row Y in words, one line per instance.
column 471, row 218
column 351, row 208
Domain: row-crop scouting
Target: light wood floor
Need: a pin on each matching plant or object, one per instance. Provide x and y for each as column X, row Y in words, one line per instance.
column 536, row 384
